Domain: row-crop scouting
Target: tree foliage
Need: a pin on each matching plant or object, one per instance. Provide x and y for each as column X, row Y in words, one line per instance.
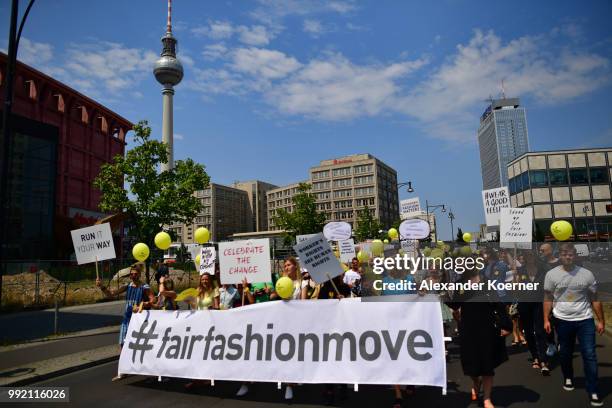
column 304, row 219
column 367, row 227
column 459, row 235
column 152, row 200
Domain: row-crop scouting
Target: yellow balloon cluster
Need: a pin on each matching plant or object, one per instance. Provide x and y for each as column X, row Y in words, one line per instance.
column 561, row 230
column 163, row 240
column 140, row 251
column 467, row 237
column 202, row 235
column 378, row 248
column 393, row 234
column 284, row 287
column 362, row 257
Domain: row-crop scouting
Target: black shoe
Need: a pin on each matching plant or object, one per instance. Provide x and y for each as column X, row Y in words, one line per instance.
column 568, row 385
column 595, row 401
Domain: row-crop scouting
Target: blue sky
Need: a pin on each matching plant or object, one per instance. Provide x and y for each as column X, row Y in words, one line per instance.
column 272, row 87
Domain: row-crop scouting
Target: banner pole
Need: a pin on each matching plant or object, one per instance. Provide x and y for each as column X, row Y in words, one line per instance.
column 333, row 284
column 243, row 292
column 97, row 275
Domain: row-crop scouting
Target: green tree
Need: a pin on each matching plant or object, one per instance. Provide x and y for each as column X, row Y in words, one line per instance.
column 151, row 200
column 304, row 219
column 367, row 226
column 459, row 236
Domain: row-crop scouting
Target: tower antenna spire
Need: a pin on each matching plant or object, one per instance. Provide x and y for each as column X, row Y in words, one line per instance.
column 169, row 23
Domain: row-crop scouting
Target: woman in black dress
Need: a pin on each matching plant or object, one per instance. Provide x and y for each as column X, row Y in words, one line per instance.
column 483, row 325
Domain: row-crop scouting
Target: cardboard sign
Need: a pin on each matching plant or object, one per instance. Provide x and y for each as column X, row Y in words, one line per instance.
column 302, row 238
column 347, row 250
column 410, row 247
column 93, row 243
column 414, row 229
column 208, row 256
column 337, row 231
column 494, row 200
column 248, row 259
column 515, row 227
column 582, row 249
column 318, row 258
column 410, row 206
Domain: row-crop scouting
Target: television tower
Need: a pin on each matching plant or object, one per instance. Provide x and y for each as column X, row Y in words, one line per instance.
column 168, row 72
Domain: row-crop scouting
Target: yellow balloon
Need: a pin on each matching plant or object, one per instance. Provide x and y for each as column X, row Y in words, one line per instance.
column 561, row 230
column 436, row 253
column 465, row 250
column 378, row 248
column 393, row 234
column 427, row 251
column 189, row 292
column 386, row 241
column 440, row 244
column 140, row 251
column 163, row 240
column 362, row 256
column 467, row 237
column 345, row 267
column 197, row 260
column 202, row 235
column 284, row 287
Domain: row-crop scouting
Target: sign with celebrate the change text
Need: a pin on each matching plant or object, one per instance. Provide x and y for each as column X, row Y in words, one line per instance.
column 248, row 259
column 355, row 343
column 494, row 200
column 317, row 256
column 92, row 244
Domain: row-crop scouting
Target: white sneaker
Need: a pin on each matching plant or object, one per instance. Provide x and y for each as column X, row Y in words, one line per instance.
column 244, row 389
column 289, row 392
column 595, row 401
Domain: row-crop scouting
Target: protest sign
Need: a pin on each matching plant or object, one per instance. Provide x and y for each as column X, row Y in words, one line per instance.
column 494, row 200
column 248, row 259
column 414, row 229
column 208, row 256
column 92, row 244
column 302, row 238
column 409, row 207
column 317, row 257
column 515, row 227
column 347, row 250
column 337, row 231
column 355, row 343
column 410, row 247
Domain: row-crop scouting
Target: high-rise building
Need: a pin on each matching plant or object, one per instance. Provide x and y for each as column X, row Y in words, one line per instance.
column 280, row 198
column 225, row 212
column 572, row 185
column 347, row 185
column 502, row 136
column 258, row 202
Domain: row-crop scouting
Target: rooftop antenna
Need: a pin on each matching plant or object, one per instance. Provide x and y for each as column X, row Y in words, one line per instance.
column 169, row 23
column 503, row 91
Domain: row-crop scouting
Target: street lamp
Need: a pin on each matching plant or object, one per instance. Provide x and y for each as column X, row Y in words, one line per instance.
column 434, row 207
column 407, row 183
column 586, row 210
column 451, row 216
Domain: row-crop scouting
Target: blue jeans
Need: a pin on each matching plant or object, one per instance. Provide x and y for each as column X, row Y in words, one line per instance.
column 584, row 330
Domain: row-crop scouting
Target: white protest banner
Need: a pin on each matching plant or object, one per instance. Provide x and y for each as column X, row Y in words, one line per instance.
column 414, row 229
column 515, row 227
column 409, row 206
column 582, row 249
column 208, row 256
column 248, row 259
column 494, row 200
column 347, row 250
column 337, row 231
column 92, row 244
column 318, row 258
column 302, row 238
column 355, row 343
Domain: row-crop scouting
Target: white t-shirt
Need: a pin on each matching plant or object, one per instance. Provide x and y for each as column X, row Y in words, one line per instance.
column 571, row 292
column 350, row 277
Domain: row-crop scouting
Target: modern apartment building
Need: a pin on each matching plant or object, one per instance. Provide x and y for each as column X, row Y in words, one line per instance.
column 257, row 216
column 347, row 185
column 280, row 198
column 502, row 136
column 572, row 185
column 225, row 212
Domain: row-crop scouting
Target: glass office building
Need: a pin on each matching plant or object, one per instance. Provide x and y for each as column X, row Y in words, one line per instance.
column 502, row 136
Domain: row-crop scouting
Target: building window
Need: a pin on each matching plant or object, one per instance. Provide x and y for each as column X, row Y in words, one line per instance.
column 598, row 175
column 538, row 178
column 525, row 181
column 578, row 176
column 557, row 177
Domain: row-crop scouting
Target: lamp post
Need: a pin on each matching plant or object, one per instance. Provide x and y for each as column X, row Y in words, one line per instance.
column 13, row 44
column 407, row 183
column 434, row 207
column 586, row 210
column 451, row 217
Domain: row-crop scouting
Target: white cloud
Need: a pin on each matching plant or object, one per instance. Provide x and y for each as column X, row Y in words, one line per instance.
column 214, row 51
column 272, row 12
column 260, row 62
column 217, row 30
column 255, row 35
column 34, row 53
column 313, row 27
column 223, row 30
column 178, row 136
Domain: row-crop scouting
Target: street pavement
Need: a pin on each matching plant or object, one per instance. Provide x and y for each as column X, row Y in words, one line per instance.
column 516, row 385
column 38, row 324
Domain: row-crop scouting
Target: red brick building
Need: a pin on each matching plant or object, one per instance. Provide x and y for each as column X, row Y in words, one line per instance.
column 60, row 139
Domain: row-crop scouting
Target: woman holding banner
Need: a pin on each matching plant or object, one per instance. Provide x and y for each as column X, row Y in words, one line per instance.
column 483, row 324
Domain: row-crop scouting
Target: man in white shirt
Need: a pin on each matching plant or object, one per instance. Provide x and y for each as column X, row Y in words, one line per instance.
column 571, row 292
column 352, row 275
